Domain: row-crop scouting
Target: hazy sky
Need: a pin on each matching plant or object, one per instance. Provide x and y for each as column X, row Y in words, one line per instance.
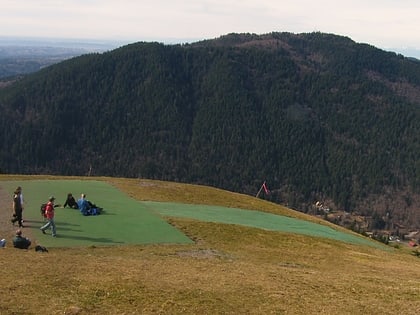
column 383, row 23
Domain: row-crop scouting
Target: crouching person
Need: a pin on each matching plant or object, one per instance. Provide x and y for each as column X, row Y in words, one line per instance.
column 20, row 241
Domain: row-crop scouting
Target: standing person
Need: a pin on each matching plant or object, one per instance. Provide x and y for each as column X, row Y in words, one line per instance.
column 21, row 242
column 71, row 202
column 19, row 189
column 22, row 203
column 49, row 214
column 17, row 209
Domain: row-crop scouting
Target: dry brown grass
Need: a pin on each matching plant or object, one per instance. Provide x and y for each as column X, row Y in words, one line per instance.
column 229, row 270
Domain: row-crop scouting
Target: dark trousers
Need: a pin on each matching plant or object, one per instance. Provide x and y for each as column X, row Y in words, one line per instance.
column 17, row 217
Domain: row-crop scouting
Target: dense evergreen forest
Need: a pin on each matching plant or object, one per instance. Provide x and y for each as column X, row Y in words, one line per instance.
column 317, row 116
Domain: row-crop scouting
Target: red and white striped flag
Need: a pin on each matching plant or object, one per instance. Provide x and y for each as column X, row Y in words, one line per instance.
column 267, row 192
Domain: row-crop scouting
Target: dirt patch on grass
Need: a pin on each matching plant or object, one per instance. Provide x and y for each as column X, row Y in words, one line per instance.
column 6, row 226
column 204, row 254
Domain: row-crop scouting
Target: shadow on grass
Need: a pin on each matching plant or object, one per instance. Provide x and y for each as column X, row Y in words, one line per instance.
column 89, row 239
column 43, row 222
column 62, row 226
column 103, row 212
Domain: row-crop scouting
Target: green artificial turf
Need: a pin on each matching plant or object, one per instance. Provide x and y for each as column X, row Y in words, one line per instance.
column 258, row 219
column 124, row 220
column 127, row 221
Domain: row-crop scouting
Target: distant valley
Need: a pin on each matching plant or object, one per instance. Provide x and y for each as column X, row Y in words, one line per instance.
column 26, row 55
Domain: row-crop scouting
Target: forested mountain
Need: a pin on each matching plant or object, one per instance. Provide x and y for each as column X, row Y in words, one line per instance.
column 317, row 116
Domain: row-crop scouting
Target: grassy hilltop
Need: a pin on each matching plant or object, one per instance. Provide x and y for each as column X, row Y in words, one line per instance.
column 227, row 269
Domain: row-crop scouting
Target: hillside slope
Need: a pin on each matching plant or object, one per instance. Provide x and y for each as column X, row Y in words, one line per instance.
column 230, row 269
column 318, row 116
column 141, row 222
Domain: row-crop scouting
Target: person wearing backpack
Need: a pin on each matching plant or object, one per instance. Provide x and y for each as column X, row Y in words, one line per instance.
column 49, row 214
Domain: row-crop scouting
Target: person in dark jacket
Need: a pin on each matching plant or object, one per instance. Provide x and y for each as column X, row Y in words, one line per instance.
column 71, row 202
column 17, row 208
column 20, row 241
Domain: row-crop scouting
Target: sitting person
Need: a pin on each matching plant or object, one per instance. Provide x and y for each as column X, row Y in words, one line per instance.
column 86, row 207
column 21, row 242
column 71, row 202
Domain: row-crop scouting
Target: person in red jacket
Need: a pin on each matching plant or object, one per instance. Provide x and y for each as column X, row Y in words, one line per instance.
column 49, row 214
